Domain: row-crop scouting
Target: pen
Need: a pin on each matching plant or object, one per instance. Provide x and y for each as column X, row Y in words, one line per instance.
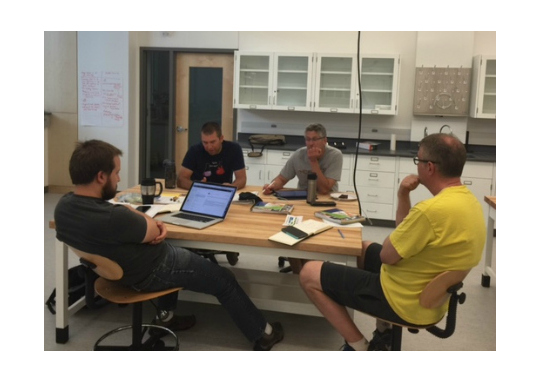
column 341, row 233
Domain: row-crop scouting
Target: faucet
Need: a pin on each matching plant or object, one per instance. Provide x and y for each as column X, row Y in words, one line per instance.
column 449, row 128
column 425, row 132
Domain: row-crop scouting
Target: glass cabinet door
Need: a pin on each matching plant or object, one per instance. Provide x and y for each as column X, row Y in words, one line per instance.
column 335, row 83
column 292, row 84
column 484, row 86
column 490, row 87
column 378, row 79
column 253, row 73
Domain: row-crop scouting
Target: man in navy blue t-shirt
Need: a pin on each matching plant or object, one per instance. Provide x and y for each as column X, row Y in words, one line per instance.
column 213, row 160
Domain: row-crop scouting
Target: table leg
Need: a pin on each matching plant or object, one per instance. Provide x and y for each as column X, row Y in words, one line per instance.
column 488, row 270
column 62, row 314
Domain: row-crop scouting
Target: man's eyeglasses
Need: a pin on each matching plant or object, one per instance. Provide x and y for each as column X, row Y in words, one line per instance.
column 417, row 160
column 314, row 139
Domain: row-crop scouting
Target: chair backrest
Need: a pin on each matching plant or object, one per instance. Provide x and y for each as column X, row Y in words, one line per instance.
column 435, row 294
column 105, row 267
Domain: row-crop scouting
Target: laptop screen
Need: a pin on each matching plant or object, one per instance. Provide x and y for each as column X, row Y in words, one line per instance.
column 209, row 199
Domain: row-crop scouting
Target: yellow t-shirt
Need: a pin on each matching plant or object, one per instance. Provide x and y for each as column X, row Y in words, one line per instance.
column 446, row 232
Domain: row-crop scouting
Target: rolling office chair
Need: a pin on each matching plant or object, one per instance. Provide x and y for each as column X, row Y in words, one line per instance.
column 105, row 287
column 436, row 293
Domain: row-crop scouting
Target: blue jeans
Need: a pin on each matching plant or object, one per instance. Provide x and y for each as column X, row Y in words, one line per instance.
column 183, row 268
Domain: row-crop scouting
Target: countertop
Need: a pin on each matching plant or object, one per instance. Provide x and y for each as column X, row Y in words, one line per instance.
column 475, row 153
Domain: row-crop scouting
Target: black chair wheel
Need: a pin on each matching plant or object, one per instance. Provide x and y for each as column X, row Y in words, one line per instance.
column 461, row 298
column 486, row 281
column 232, row 258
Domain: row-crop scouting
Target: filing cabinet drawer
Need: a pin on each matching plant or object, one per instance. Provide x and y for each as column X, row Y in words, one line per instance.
column 378, row 211
column 376, row 163
column 482, row 170
column 278, row 157
column 375, row 179
column 376, row 195
column 347, row 158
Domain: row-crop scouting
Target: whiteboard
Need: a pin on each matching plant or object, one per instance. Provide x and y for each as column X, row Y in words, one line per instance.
column 102, row 99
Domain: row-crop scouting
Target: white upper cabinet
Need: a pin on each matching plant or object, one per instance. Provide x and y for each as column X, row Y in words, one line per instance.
column 335, row 83
column 292, row 81
column 316, row 82
column 379, row 79
column 273, row 81
column 483, row 88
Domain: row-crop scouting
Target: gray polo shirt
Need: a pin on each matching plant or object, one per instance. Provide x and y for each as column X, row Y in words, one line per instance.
column 298, row 165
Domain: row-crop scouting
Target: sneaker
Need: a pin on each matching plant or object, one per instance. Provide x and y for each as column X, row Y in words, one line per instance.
column 346, row 347
column 176, row 323
column 268, row 340
column 381, row 341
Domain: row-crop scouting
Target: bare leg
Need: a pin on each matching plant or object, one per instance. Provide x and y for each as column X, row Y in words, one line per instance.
column 336, row 314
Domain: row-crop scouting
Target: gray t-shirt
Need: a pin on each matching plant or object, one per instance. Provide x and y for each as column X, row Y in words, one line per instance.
column 111, row 230
column 298, row 165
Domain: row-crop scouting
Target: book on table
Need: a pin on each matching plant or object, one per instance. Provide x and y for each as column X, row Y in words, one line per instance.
column 272, row 208
column 307, row 228
column 339, row 216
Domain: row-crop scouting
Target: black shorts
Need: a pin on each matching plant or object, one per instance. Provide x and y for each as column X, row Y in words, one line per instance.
column 359, row 289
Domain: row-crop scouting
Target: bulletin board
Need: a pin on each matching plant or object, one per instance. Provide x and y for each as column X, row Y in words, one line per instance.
column 442, row 91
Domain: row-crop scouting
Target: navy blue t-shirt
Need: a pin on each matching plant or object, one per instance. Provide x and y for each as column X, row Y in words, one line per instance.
column 215, row 168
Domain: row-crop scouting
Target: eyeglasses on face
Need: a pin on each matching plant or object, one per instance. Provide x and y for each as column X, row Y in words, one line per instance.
column 417, row 160
column 314, row 139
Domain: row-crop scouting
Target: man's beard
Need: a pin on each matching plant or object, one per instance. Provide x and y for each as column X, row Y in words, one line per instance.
column 108, row 191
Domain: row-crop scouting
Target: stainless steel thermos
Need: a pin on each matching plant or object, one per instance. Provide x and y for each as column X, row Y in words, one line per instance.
column 311, row 187
column 170, row 173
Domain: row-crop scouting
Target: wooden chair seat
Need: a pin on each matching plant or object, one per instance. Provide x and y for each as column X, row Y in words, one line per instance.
column 437, row 292
column 119, row 294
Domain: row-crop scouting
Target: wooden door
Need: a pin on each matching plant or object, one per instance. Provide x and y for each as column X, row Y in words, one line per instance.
column 184, row 63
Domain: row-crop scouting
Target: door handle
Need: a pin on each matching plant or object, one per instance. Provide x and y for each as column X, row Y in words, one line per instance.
column 181, row 129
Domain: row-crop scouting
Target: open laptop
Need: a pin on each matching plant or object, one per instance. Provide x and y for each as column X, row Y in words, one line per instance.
column 205, row 204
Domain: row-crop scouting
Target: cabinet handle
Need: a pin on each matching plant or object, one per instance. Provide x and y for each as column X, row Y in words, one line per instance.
column 373, row 175
column 374, row 111
column 333, row 110
column 467, row 182
column 252, row 106
column 290, row 108
column 260, row 175
column 373, row 196
column 374, row 159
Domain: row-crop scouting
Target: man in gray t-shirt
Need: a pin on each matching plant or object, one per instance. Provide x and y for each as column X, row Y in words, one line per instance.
column 317, row 157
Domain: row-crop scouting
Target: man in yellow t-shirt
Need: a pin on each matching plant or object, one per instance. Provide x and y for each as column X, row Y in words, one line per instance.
column 446, row 232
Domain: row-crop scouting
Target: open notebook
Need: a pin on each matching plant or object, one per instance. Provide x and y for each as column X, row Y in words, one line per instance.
column 205, row 204
column 309, row 227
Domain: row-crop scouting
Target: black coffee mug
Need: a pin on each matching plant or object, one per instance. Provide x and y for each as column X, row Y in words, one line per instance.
column 148, row 190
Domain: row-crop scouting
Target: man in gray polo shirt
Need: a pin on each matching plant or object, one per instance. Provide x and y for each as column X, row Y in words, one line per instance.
column 317, row 157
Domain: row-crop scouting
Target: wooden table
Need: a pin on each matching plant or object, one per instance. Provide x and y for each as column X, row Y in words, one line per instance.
column 247, row 233
column 488, row 254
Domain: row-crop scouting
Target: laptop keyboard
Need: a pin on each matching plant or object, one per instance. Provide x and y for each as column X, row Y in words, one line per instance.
column 196, row 218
